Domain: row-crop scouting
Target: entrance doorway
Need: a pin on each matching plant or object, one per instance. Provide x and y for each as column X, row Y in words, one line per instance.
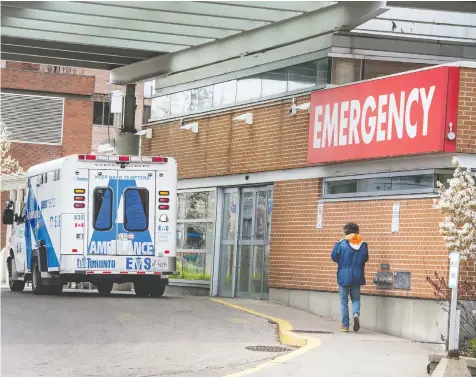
column 244, row 245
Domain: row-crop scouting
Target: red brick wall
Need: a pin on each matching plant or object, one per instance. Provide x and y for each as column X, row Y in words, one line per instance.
column 78, row 115
column 47, row 82
column 300, row 253
column 77, row 127
column 466, row 133
column 276, row 140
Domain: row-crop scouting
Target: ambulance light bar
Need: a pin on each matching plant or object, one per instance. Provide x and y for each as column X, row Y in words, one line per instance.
column 92, row 157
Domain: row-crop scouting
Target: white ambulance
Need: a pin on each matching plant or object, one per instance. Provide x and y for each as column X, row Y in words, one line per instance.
column 98, row 219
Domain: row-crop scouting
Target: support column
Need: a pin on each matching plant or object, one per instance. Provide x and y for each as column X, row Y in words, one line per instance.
column 126, row 142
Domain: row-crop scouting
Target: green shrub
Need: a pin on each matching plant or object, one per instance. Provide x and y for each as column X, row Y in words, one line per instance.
column 471, row 348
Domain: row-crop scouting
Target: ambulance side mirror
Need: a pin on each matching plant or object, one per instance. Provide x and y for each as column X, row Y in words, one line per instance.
column 7, row 217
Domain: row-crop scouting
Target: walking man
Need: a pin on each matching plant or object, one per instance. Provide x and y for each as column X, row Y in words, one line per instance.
column 350, row 254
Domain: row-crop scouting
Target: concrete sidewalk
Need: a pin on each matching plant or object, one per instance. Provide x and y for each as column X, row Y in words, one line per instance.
column 364, row 354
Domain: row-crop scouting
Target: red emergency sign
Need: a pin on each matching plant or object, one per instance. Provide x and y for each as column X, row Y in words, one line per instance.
column 400, row 115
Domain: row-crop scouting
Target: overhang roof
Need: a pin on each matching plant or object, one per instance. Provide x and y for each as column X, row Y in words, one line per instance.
column 139, row 40
column 111, row 34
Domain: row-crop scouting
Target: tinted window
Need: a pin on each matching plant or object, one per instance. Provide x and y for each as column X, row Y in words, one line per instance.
column 302, row 76
column 274, row 82
column 102, row 209
column 136, row 210
column 341, row 187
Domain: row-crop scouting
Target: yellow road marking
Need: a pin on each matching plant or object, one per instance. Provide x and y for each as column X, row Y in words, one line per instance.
column 286, row 336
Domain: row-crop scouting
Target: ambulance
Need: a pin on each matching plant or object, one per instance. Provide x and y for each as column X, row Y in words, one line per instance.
column 97, row 219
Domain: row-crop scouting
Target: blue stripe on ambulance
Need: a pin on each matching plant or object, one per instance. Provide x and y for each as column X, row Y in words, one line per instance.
column 142, row 242
column 34, row 217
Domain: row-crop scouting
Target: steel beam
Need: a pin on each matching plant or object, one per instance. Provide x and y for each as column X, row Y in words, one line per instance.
column 301, row 6
column 84, row 39
column 57, row 61
column 171, row 42
column 400, row 47
column 341, row 16
column 67, row 55
column 226, row 10
column 198, row 35
column 79, row 48
column 140, row 14
column 416, row 29
column 451, row 6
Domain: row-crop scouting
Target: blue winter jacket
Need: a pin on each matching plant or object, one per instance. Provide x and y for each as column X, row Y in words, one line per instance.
column 350, row 254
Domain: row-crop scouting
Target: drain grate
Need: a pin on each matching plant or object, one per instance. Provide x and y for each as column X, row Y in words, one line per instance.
column 268, row 349
column 312, row 332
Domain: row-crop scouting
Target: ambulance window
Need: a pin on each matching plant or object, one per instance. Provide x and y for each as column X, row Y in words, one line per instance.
column 102, row 209
column 136, row 209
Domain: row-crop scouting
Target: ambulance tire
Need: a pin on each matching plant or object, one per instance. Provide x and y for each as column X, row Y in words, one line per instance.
column 36, row 285
column 157, row 290
column 104, row 287
column 141, row 288
column 15, row 285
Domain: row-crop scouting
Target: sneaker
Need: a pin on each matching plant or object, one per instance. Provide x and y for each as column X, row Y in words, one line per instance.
column 356, row 323
column 344, row 329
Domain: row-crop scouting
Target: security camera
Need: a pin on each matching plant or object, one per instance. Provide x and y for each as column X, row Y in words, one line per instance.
column 293, row 109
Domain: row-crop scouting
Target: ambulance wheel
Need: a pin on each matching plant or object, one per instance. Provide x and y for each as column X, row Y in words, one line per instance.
column 15, row 285
column 141, row 288
column 157, row 290
column 36, row 284
column 104, row 287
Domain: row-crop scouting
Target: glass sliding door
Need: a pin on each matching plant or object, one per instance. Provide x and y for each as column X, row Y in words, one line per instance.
column 253, row 242
column 244, row 242
column 228, row 243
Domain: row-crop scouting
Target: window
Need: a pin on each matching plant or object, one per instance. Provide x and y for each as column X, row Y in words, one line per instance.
column 324, row 71
column 224, row 93
column 136, row 209
column 195, row 234
column 302, row 76
column 180, row 102
column 248, row 88
column 102, row 114
column 202, row 98
column 160, row 107
column 415, row 182
column 146, row 114
column 274, row 82
column 263, row 85
column 102, row 209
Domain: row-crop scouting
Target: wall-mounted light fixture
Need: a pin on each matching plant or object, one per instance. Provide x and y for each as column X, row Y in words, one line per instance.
column 246, row 117
column 147, row 133
column 191, row 127
column 303, row 106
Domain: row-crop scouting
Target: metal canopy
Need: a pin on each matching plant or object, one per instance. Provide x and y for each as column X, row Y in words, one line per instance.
column 111, row 34
column 139, row 40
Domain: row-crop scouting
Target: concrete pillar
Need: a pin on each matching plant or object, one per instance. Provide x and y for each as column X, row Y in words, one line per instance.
column 126, row 142
column 130, row 109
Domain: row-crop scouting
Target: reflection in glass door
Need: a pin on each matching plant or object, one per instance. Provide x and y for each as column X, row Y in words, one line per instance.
column 253, row 242
column 228, row 240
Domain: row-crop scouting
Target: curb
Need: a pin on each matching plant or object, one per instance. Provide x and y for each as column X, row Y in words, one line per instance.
column 286, row 336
